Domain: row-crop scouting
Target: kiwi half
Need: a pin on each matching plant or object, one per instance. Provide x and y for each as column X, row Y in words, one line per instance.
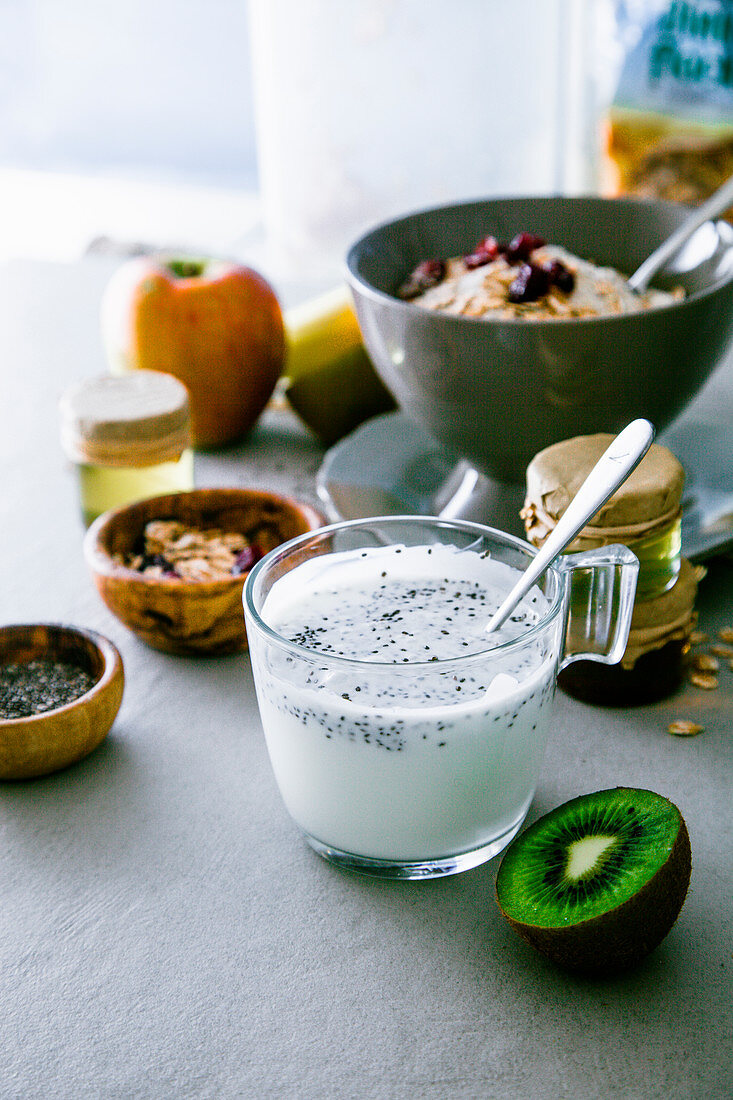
column 597, row 883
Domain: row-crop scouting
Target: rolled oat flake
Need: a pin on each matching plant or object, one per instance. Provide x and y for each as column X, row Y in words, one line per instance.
column 681, row 727
column 34, row 687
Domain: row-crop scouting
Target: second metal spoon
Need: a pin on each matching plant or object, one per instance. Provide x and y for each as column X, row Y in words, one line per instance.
column 716, row 204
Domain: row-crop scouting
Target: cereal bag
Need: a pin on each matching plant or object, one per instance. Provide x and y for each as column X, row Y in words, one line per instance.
column 669, row 129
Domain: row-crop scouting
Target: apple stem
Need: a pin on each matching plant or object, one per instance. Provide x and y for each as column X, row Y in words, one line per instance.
column 186, row 269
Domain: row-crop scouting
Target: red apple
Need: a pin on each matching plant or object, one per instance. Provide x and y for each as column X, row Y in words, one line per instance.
column 216, row 325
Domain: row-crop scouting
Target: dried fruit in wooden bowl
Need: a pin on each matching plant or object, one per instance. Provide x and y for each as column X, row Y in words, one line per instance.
column 194, row 607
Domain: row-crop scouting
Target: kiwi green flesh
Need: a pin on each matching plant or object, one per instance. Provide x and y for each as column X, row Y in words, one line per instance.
column 624, row 921
column 587, row 857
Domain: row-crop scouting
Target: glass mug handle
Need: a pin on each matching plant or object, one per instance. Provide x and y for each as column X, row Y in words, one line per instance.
column 600, row 586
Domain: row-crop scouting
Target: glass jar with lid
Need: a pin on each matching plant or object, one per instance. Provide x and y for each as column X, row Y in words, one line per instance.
column 129, row 437
column 644, row 515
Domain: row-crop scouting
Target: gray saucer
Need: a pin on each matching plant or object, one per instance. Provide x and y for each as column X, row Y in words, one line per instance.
column 390, row 465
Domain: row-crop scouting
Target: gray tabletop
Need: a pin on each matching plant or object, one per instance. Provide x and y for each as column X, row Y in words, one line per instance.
column 164, row 932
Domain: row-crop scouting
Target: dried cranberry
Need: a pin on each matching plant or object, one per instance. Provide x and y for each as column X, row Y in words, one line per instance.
column 488, row 244
column 522, row 246
column 245, row 560
column 560, row 275
column 529, row 284
column 426, row 275
column 477, row 259
column 485, row 251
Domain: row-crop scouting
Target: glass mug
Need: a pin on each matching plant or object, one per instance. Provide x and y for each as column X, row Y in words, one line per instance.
column 406, row 741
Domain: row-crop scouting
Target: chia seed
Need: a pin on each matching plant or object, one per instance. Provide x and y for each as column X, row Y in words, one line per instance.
column 34, row 687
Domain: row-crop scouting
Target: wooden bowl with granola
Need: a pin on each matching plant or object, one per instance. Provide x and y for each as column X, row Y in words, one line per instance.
column 172, row 568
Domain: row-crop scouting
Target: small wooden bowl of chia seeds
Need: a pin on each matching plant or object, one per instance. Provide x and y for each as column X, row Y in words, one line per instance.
column 60, row 691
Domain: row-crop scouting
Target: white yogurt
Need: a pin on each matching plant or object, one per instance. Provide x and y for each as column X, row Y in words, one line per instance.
column 398, row 735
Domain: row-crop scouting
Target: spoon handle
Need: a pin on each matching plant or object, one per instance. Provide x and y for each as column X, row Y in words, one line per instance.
column 613, row 467
column 716, row 204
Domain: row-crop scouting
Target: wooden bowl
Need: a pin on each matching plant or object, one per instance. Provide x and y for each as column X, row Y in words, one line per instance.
column 173, row 614
column 46, row 742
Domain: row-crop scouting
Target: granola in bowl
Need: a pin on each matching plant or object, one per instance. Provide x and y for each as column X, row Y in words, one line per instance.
column 172, row 568
column 527, row 279
column 172, row 549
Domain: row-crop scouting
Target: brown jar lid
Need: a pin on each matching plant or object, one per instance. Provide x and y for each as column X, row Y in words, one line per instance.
column 136, row 419
column 650, row 497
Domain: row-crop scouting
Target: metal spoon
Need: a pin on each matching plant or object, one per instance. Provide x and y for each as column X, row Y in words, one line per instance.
column 611, row 470
column 716, row 204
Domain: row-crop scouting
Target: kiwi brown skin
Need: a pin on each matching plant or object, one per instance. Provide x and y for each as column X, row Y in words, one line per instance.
column 621, row 938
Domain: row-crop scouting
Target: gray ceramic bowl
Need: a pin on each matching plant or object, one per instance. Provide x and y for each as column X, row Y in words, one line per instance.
column 496, row 392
